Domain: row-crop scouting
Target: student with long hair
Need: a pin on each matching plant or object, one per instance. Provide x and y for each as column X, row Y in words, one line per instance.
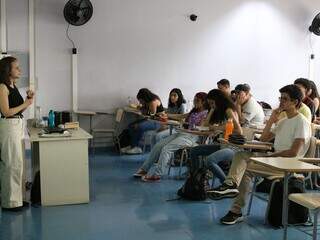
column 222, row 109
column 150, row 105
column 314, row 95
column 176, row 102
column 12, row 106
column 160, row 155
column 176, row 105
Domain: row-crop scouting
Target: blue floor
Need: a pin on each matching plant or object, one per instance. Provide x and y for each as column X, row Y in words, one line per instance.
column 124, row 208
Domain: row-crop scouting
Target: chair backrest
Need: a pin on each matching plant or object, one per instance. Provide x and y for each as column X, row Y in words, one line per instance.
column 312, row 148
column 119, row 115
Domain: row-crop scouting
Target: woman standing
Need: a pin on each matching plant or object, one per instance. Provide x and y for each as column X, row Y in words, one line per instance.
column 12, row 106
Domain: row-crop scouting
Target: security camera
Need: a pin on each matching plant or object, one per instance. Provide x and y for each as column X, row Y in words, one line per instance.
column 193, row 17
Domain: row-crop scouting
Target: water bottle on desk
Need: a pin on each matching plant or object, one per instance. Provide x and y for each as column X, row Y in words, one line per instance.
column 51, row 119
column 229, row 129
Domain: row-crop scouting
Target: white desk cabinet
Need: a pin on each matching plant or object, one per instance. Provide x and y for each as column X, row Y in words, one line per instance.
column 63, row 165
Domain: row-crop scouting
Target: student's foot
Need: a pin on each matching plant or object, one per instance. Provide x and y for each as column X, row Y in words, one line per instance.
column 125, row 149
column 225, row 188
column 153, row 178
column 14, row 209
column 218, row 196
column 231, row 218
column 140, row 173
column 134, row 150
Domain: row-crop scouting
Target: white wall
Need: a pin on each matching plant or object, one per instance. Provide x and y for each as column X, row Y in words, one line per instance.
column 130, row 44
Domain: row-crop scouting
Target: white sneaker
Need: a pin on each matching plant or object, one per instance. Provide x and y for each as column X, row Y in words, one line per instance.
column 134, row 150
column 125, row 149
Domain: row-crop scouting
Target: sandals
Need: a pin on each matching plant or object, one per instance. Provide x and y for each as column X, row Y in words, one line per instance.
column 153, row 178
column 140, row 173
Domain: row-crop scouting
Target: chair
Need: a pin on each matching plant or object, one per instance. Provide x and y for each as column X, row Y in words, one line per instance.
column 310, row 153
column 109, row 132
column 182, row 161
column 312, row 202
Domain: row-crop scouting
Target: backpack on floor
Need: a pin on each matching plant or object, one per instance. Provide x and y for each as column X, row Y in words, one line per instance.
column 196, row 186
column 124, row 139
column 297, row 214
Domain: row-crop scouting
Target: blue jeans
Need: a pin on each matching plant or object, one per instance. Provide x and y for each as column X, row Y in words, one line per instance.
column 137, row 129
column 214, row 156
column 161, row 153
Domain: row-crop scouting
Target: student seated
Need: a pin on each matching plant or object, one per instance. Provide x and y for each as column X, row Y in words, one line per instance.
column 161, row 153
column 314, row 96
column 249, row 110
column 222, row 109
column 150, row 105
column 224, row 86
column 305, row 86
column 176, row 105
column 291, row 139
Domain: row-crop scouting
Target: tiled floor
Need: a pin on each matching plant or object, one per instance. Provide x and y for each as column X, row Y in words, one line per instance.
column 124, row 208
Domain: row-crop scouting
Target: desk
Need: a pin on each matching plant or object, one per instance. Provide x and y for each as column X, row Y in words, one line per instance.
column 63, row 165
column 288, row 166
column 132, row 110
column 248, row 146
column 90, row 114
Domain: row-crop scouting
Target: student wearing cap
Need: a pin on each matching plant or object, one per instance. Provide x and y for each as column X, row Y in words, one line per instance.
column 249, row 110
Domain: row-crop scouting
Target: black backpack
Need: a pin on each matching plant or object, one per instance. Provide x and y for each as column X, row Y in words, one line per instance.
column 297, row 214
column 35, row 196
column 196, row 186
column 124, row 139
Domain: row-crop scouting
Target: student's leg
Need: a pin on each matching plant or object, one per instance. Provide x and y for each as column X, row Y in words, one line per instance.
column 213, row 159
column 181, row 141
column 137, row 132
column 163, row 134
column 244, row 187
column 199, row 151
column 155, row 152
column 238, row 168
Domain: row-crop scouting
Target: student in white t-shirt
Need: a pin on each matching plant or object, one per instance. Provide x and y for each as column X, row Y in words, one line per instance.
column 292, row 139
column 249, row 110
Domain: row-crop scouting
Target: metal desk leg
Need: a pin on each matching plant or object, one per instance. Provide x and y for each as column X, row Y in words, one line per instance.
column 285, row 206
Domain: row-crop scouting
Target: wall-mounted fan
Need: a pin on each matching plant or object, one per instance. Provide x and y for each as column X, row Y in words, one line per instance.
column 315, row 26
column 78, row 12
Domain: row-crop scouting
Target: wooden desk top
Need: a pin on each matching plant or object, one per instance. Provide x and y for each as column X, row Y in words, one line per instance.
column 79, row 134
column 248, row 146
column 195, row 132
column 286, row 164
column 132, row 110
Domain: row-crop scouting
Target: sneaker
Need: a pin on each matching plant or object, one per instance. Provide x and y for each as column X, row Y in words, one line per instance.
column 218, row 196
column 153, row 178
column 225, row 189
column 125, row 149
column 134, row 150
column 231, row 218
column 140, row 173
